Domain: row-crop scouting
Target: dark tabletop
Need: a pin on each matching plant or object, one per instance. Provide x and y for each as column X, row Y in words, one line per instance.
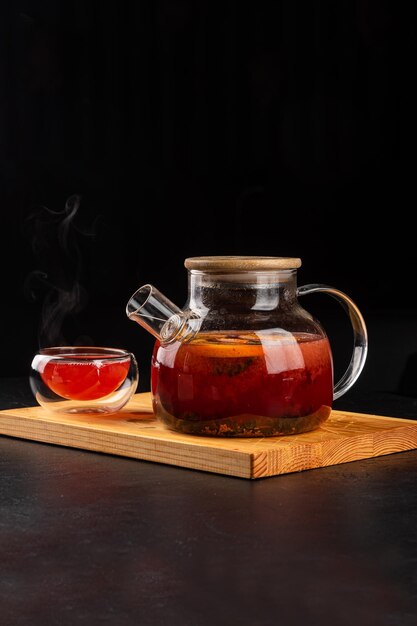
column 89, row 538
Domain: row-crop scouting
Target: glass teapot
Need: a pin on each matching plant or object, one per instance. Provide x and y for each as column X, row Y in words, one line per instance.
column 243, row 358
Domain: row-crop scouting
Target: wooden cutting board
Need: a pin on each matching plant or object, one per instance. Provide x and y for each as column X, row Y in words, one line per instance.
column 134, row 432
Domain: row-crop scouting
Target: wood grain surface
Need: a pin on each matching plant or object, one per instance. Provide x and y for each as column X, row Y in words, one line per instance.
column 241, row 263
column 134, row 432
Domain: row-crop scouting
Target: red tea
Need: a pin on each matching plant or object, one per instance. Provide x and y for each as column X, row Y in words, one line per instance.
column 85, row 378
column 245, row 384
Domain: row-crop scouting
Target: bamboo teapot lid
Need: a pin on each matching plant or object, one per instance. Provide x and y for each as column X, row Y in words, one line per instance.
column 241, row 263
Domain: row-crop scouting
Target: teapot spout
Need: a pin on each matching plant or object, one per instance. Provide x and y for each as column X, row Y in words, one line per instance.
column 161, row 317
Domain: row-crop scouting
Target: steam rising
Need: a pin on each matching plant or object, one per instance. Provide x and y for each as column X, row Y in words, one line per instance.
column 56, row 245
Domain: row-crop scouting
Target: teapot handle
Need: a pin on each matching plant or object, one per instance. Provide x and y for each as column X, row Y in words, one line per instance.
column 360, row 336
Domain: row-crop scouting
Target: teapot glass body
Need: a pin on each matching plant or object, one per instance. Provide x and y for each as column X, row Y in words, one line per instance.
column 247, row 360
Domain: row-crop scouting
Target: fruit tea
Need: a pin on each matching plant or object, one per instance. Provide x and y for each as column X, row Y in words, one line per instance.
column 243, row 384
column 83, row 377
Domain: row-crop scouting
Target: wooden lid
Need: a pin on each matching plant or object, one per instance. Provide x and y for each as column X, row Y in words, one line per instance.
column 241, row 263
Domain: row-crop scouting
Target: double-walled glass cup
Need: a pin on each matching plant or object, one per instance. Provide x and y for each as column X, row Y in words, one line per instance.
column 83, row 380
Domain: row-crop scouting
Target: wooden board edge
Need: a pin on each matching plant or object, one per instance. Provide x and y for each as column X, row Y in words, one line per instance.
column 270, row 462
column 180, row 454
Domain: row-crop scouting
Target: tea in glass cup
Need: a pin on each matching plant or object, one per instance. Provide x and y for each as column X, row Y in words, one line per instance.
column 83, row 379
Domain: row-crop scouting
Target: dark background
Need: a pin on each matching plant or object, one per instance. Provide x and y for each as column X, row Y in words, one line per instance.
column 136, row 134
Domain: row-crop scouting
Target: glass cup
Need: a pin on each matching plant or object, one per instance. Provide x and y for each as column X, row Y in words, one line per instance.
column 83, row 380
